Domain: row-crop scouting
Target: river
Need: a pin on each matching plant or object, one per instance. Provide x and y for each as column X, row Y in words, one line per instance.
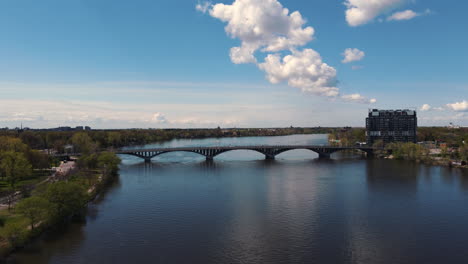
column 244, row 209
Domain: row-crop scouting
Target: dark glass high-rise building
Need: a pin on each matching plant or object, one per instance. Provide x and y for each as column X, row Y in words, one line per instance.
column 391, row 126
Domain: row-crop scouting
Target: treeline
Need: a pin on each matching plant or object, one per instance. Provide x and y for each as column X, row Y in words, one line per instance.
column 56, row 200
column 454, row 137
column 37, row 139
column 347, row 136
column 411, row 151
column 20, row 167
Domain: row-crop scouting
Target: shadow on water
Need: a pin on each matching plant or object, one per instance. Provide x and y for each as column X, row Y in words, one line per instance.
column 392, row 175
column 44, row 247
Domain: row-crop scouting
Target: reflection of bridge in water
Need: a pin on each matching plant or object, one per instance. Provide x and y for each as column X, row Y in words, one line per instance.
column 269, row 151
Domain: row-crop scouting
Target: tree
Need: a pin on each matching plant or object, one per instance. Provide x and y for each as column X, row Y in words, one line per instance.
column 113, row 139
column 32, row 139
column 109, row 162
column 13, row 167
column 35, row 208
column 89, row 161
column 38, row 160
column 378, row 144
column 67, row 198
column 83, row 143
column 12, row 144
column 463, row 152
column 14, row 232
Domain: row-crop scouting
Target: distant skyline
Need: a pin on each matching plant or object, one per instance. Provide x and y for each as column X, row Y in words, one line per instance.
column 243, row 63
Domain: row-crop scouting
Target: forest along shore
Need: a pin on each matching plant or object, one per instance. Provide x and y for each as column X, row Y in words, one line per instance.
column 34, row 202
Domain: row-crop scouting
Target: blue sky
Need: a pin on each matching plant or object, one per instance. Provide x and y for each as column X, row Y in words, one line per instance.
column 167, row 63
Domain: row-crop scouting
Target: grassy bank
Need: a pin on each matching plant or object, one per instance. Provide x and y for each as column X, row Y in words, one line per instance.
column 54, row 203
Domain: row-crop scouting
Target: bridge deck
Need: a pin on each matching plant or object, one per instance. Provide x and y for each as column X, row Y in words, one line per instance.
column 270, row 151
column 246, row 147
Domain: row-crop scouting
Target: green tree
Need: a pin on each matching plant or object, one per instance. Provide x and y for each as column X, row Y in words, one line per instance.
column 109, row 162
column 32, row 139
column 463, row 152
column 35, row 208
column 378, row 144
column 13, row 167
column 89, row 161
column 14, row 232
column 12, row 144
column 83, row 143
column 114, row 139
column 67, row 198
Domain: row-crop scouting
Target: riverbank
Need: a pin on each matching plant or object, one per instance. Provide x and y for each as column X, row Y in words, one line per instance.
column 53, row 203
column 433, row 161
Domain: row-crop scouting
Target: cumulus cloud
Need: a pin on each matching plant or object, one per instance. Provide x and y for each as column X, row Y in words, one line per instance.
column 260, row 24
column 266, row 26
column 360, row 12
column 358, row 99
column 425, row 107
column 351, row 55
column 459, row 106
column 159, row 118
column 302, row 69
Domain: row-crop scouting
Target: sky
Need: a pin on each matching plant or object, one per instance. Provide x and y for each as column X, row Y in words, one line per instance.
column 242, row 63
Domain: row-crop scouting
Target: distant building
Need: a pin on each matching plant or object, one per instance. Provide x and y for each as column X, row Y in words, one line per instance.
column 391, row 126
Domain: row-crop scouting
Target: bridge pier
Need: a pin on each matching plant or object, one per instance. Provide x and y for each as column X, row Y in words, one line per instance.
column 324, row 155
column 209, row 158
column 147, row 160
column 269, row 157
column 369, row 154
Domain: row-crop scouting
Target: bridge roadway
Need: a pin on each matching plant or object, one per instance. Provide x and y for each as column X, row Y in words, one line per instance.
column 269, row 151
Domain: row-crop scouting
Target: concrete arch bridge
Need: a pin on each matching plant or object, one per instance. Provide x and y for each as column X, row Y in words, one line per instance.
column 269, row 151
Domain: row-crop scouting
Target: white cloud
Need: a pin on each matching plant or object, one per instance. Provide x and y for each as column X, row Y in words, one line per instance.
column 406, row 15
column 403, row 15
column 358, row 99
column 302, row 69
column 159, row 118
column 260, row 24
column 351, row 55
column 459, row 106
column 360, row 12
column 203, row 7
column 425, row 107
column 268, row 27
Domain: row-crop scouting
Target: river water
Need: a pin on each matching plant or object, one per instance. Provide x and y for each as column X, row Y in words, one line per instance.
column 244, row 209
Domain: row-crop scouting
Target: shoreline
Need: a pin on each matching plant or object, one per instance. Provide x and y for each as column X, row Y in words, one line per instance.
column 6, row 250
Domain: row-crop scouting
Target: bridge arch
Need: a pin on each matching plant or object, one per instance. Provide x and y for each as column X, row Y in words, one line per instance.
column 280, row 151
column 263, row 152
column 147, row 156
